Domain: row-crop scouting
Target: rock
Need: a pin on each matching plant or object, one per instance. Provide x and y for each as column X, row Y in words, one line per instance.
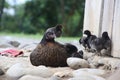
column 5, row 45
column 30, row 77
column 4, row 42
column 7, row 62
column 14, row 43
column 78, row 73
column 107, row 63
column 87, row 55
column 18, row 70
column 3, row 77
column 55, row 77
column 110, row 63
column 15, row 72
column 76, row 63
column 28, row 47
column 97, row 72
column 65, row 73
column 115, row 75
column 41, row 71
column 62, row 75
column 86, row 75
column 82, row 78
column 1, row 72
column 94, row 61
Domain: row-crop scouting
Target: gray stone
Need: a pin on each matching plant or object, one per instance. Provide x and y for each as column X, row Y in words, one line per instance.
column 28, row 47
column 14, row 43
column 5, row 45
column 1, row 72
column 4, row 42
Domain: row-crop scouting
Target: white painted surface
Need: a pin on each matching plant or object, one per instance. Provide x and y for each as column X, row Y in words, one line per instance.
column 104, row 15
column 116, row 30
column 92, row 15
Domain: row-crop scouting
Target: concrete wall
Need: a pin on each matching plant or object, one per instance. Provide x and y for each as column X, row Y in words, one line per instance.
column 104, row 15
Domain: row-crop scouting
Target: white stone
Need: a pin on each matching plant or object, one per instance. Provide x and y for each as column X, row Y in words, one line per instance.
column 62, row 74
column 41, row 71
column 86, row 75
column 82, row 78
column 30, row 77
column 111, row 63
column 108, row 63
column 115, row 75
column 7, row 62
column 20, row 69
column 76, row 63
column 55, row 77
column 98, row 72
column 15, row 72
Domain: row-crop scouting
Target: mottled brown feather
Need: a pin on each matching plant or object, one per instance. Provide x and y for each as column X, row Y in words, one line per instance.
column 51, row 54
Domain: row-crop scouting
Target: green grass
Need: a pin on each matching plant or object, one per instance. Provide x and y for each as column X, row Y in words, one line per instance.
column 37, row 36
column 67, row 39
column 19, row 35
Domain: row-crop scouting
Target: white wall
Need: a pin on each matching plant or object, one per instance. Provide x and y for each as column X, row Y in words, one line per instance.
column 104, row 15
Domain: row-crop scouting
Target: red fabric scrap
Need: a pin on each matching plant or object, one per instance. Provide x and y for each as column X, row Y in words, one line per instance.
column 11, row 52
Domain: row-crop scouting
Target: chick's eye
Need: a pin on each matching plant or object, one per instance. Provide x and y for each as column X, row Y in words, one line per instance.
column 59, row 31
column 50, row 33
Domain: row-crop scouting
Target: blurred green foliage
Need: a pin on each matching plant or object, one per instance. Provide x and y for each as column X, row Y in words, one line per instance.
column 35, row 16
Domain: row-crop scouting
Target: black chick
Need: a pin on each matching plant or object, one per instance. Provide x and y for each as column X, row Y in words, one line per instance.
column 78, row 54
column 49, row 52
column 83, row 42
column 57, row 30
column 89, row 39
column 70, row 48
column 102, row 45
column 106, row 45
column 73, row 51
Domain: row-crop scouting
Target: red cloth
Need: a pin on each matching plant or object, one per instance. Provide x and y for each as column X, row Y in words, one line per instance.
column 11, row 52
